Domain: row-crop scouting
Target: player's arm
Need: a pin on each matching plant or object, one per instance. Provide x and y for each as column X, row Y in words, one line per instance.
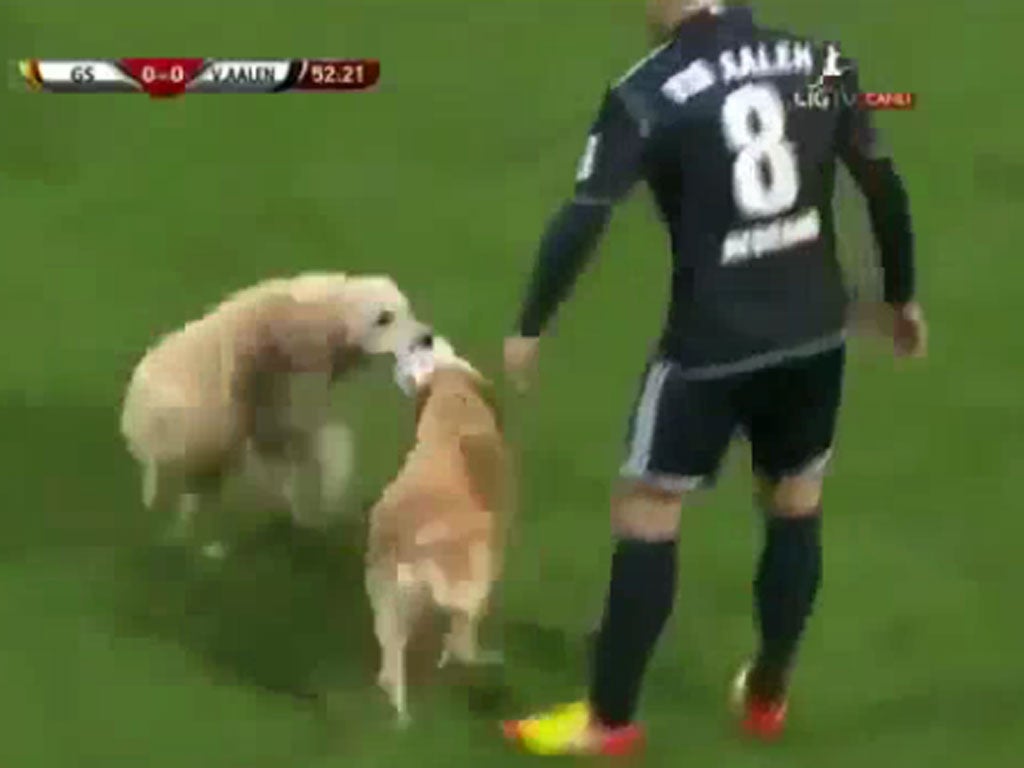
column 610, row 167
column 875, row 173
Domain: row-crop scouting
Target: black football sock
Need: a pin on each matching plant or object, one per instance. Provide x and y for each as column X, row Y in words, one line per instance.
column 639, row 602
column 788, row 578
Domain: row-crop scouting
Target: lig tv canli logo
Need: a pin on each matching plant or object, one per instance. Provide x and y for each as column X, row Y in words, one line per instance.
column 831, row 89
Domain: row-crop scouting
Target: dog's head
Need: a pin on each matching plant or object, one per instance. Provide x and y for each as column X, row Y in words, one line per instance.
column 458, row 400
column 449, row 391
column 379, row 318
column 455, row 402
column 323, row 321
column 370, row 312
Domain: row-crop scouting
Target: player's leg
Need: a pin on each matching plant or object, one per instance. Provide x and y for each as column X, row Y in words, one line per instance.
column 640, row 597
column 791, row 413
column 679, row 433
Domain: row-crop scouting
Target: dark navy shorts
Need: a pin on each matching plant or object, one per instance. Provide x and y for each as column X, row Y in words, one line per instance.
column 681, row 427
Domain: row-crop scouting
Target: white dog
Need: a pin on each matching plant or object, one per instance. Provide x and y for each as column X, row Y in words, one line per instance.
column 247, row 386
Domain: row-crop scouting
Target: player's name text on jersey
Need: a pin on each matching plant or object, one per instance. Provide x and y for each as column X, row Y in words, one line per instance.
column 780, row 234
column 780, row 59
column 695, row 79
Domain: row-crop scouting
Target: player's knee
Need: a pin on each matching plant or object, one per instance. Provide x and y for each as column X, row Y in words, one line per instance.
column 647, row 513
column 792, row 496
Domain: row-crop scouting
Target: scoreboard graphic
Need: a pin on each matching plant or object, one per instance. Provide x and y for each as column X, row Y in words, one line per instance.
column 170, row 77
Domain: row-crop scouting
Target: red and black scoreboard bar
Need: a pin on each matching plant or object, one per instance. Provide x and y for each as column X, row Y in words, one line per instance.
column 168, row 77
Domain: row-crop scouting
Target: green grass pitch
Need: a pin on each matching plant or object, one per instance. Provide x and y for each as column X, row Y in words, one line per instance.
column 121, row 217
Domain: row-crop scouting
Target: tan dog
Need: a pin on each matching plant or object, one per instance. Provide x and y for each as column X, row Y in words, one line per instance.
column 435, row 534
column 223, row 391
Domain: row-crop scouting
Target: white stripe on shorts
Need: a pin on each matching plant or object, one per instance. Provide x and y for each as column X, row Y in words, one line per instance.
column 646, row 420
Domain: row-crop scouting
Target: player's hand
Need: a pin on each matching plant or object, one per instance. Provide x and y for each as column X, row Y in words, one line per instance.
column 910, row 331
column 521, row 360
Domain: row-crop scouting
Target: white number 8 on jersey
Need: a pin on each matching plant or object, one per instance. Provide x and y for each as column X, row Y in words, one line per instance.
column 754, row 124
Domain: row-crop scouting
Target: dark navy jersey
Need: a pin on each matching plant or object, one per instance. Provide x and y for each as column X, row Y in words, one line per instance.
column 742, row 170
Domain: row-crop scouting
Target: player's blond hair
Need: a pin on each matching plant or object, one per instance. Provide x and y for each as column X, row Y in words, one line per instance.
column 665, row 16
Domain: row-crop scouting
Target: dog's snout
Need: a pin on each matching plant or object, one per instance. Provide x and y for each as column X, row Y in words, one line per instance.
column 425, row 340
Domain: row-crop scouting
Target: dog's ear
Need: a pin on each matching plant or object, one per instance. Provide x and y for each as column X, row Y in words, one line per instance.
column 484, row 455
